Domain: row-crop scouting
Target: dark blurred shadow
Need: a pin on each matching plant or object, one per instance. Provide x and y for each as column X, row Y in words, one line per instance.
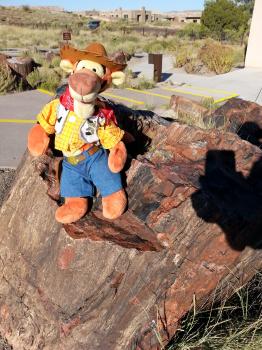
column 230, row 200
column 251, row 132
column 165, row 76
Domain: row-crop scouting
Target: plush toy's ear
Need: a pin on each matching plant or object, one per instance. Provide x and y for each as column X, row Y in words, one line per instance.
column 118, row 78
column 67, row 66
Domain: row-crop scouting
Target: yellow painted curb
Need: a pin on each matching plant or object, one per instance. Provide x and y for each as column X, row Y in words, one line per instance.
column 149, row 93
column 123, row 98
column 186, row 92
column 208, row 89
column 226, row 98
column 46, row 92
column 19, row 121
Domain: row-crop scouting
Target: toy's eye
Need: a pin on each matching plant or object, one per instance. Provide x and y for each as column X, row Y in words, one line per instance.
column 94, row 70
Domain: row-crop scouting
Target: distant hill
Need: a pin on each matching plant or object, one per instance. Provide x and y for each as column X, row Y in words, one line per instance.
column 40, row 17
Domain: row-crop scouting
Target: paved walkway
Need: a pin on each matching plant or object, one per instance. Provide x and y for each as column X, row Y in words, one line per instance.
column 246, row 83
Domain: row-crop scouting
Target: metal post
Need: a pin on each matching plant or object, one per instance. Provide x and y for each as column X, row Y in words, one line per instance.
column 156, row 60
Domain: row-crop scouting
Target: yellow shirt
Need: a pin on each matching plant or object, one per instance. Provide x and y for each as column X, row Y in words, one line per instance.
column 69, row 140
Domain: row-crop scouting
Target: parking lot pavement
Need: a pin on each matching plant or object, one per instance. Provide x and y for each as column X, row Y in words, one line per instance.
column 17, row 115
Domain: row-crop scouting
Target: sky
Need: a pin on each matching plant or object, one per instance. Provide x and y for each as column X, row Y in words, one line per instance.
column 164, row 5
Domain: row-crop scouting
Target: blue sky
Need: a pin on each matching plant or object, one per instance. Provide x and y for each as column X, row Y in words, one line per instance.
column 165, row 5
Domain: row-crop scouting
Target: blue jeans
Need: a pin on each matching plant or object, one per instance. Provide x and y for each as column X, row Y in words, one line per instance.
column 80, row 180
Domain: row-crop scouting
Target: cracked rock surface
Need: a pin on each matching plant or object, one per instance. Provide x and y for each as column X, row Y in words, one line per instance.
column 193, row 226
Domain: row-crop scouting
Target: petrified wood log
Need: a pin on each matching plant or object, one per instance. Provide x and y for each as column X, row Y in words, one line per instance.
column 184, row 105
column 241, row 117
column 193, row 226
column 22, row 65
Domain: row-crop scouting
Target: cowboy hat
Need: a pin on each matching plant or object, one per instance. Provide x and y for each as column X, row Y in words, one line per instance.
column 94, row 52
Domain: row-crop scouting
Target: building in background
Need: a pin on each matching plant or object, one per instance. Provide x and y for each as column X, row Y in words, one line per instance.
column 140, row 16
column 184, row 16
column 143, row 15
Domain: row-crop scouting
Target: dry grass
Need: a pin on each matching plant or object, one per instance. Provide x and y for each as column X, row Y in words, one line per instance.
column 194, row 119
column 21, row 28
column 217, row 57
column 45, row 78
column 233, row 324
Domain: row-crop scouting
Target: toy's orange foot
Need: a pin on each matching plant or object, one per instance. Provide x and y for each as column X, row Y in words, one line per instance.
column 114, row 205
column 73, row 210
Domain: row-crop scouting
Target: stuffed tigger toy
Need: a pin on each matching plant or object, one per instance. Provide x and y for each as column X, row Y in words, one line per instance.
column 85, row 130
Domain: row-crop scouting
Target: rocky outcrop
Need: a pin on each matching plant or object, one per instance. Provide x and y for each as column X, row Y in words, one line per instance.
column 193, row 226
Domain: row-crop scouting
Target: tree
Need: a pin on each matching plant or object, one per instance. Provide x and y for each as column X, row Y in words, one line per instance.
column 220, row 16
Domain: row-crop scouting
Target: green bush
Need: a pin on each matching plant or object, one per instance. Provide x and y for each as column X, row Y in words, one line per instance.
column 222, row 15
column 193, row 31
column 44, row 78
column 217, row 57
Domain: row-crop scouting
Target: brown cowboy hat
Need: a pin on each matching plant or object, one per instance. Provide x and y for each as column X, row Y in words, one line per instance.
column 94, row 52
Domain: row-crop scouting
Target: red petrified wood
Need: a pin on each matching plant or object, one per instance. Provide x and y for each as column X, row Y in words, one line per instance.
column 193, row 226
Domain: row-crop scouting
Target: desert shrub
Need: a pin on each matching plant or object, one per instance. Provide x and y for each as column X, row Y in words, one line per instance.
column 156, row 46
column 182, row 57
column 8, row 82
column 144, row 84
column 44, row 78
column 55, row 62
column 217, row 57
column 161, row 45
column 193, row 31
column 26, row 8
column 112, row 26
column 193, row 65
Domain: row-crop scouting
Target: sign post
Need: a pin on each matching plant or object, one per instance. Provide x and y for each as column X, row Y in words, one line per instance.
column 156, row 60
column 67, row 36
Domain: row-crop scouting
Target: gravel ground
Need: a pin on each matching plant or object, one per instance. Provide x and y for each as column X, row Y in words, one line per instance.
column 6, row 179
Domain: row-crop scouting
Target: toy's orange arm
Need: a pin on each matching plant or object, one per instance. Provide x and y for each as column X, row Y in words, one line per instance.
column 38, row 141
column 117, row 157
column 110, row 137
